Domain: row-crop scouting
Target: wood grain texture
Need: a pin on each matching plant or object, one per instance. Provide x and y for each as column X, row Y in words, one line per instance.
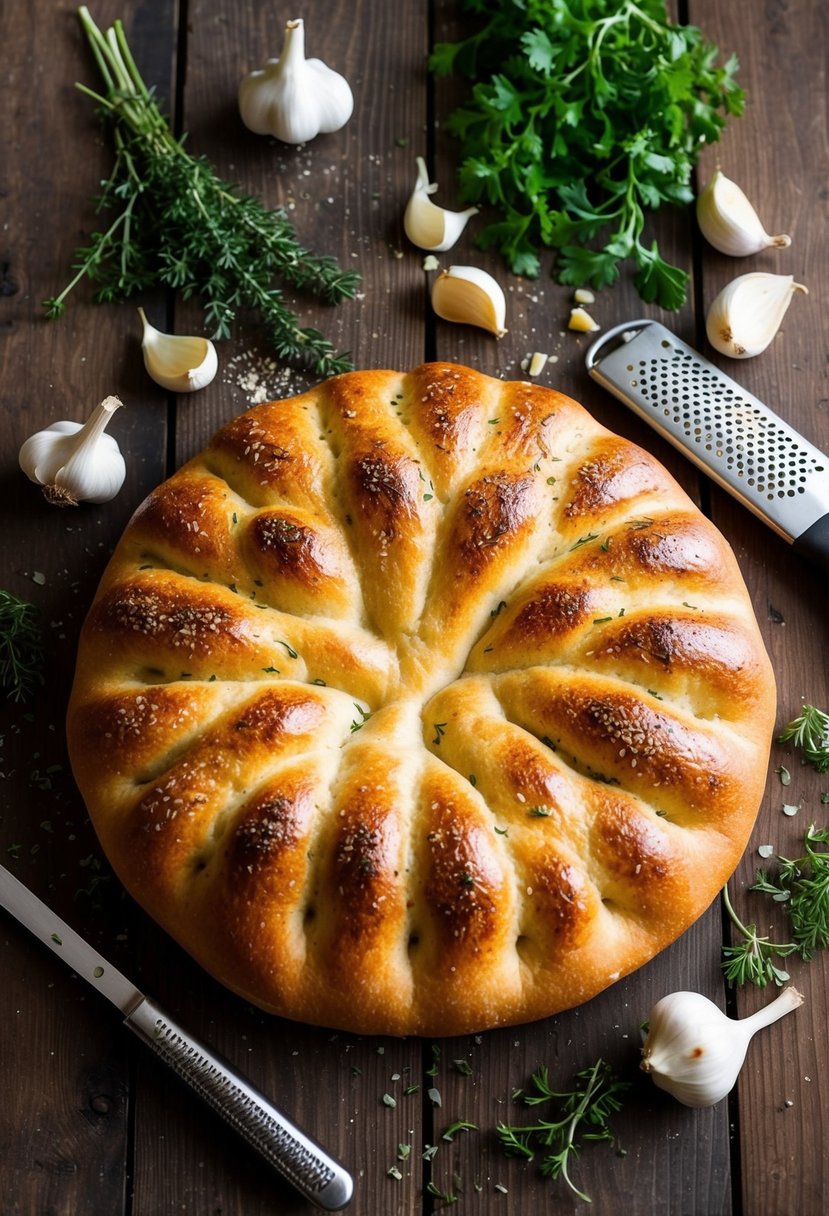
column 92, row 1123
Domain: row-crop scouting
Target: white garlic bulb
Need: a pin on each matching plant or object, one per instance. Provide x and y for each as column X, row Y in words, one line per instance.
column 695, row 1052
column 179, row 364
column 427, row 225
column 728, row 221
column 471, row 296
column 748, row 312
column 76, row 462
column 294, row 98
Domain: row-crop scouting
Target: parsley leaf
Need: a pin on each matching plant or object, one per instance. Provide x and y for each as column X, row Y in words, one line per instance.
column 583, row 116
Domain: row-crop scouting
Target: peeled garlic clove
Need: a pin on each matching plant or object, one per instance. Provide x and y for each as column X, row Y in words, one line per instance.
column 695, row 1052
column 181, row 365
column 427, row 225
column 728, row 221
column 470, row 296
column 748, row 312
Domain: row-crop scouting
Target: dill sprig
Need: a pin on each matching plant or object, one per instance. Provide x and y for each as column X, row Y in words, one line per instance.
column 21, row 648
column 810, row 732
column 178, row 225
column 584, row 1114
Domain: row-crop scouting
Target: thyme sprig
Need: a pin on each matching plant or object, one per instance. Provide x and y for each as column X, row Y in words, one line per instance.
column 751, row 960
column 801, row 885
column 810, row 732
column 21, row 648
column 584, row 1115
column 178, row 225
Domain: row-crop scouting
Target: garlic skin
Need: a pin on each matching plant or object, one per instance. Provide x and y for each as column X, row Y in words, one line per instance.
column 728, row 221
column 470, row 296
column 76, row 462
column 746, row 315
column 181, row 365
column 427, row 225
column 694, row 1052
column 294, row 98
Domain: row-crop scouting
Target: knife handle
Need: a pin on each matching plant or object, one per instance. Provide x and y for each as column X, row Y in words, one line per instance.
column 318, row 1177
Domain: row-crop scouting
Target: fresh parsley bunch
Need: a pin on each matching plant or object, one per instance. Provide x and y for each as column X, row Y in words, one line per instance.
column 585, row 115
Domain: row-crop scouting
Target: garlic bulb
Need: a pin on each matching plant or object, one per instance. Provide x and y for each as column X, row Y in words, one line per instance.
column 427, row 225
column 695, row 1052
column 471, row 296
column 746, row 315
column 75, row 462
column 294, row 98
column 728, row 221
column 179, row 364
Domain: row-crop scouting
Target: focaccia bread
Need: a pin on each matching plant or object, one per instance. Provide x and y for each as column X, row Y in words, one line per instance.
column 421, row 703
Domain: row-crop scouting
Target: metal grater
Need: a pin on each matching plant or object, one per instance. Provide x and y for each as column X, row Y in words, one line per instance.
column 736, row 439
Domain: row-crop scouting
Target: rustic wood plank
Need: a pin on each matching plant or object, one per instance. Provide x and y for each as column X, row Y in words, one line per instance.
column 345, row 193
column 63, row 1126
column 676, row 1160
column 777, row 152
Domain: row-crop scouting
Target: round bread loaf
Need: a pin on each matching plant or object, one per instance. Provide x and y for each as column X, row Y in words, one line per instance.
column 421, row 703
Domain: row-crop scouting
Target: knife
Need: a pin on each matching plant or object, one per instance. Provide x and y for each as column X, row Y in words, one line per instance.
column 728, row 432
column 298, row 1158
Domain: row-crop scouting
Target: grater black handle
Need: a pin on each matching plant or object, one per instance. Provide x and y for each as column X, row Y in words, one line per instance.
column 813, row 544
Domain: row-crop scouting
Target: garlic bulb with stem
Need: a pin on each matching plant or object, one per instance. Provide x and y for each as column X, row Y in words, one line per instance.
column 748, row 312
column 76, row 462
column 427, row 225
column 180, row 364
column 695, row 1052
column 728, row 221
column 470, row 296
column 294, row 98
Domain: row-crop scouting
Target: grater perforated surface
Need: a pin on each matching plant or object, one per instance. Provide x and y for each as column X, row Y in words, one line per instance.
column 726, row 430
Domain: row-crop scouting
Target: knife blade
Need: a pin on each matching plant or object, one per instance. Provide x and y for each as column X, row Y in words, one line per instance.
column 292, row 1152
column 728, row 432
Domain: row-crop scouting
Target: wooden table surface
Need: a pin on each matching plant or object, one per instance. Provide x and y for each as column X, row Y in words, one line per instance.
column 89, row 1121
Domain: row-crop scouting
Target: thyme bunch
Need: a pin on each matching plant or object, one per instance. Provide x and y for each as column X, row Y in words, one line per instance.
column 178, row 225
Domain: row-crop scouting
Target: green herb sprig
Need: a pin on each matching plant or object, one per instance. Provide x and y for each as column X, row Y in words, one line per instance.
column 178, row 225
column 21, row 648
column 801, row 886
column 585, row 115
column 584, row 1115
column 810, row 732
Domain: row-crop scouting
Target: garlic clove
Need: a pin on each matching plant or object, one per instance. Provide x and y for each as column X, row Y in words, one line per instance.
column 581, row 321
column 747, row 313
column 470, row 296
column 179, row 364
column 74, row 462
column 728, row 221
column 694, row 1051
column 427, row 225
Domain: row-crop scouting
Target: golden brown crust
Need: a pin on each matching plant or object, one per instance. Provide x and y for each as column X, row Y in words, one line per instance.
column 421, row 704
